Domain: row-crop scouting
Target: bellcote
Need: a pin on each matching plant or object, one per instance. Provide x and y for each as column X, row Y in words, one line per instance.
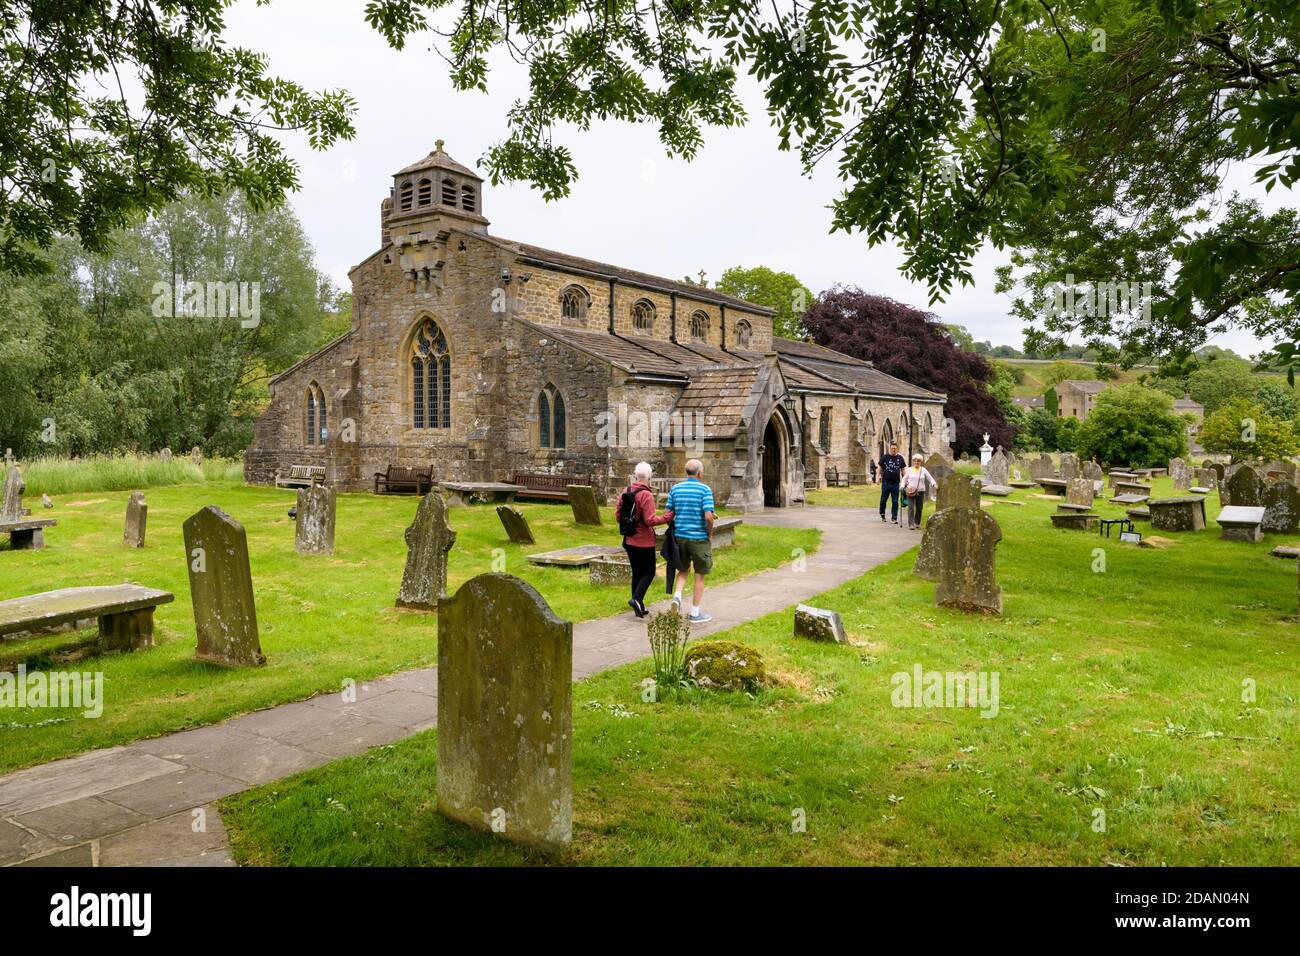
column 433, row 195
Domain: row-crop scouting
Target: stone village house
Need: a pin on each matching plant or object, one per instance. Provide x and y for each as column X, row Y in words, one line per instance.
column 482, row 356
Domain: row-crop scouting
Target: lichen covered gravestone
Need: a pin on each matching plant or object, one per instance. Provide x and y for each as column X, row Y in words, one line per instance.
column 165, row 455
column 314, row 520
column 958, row 491
column 1281, row 508
column 1092, row 471
column 505, row 712
column 221, row 589
column 938, row 466
column 1069, row 465
column 196, row 456
column 11, row 508
column 819, row 624
column 428, row 540
column 137, row 514
column 1177, row 514
column 1244, row 488
column 966, row 539
column 998, row 470
column 609, row 569
column 586, row 509
column 1180, row 473
column 516, row 525
column 1041, row 467
column 1080, row 491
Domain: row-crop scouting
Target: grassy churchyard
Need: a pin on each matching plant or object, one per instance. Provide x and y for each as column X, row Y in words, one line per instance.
column 322, row 619
column 1126, row 731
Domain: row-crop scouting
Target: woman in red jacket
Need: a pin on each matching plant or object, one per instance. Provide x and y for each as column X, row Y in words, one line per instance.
column 640, row 544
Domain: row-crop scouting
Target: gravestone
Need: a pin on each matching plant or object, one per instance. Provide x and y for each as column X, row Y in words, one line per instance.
column 1245, row 489
column 428, row 539
column 1069, row 465
column 196, row 455
column 998, row 470
column 221, row 589
column 1177, row 514
column 609, row 569
column 505, row 712
column 819, row 624
column 516, row 525
column 137, row 514
column 314, row 520
column 1092, row 471
column 1241, row 523
column 938, row 466
column 165, row 454
column 1041, row 467
column 11, row 508
column 46, row 502
column 986, row 451
column 958, row 491
column 586, row 509
column 966, row 540
column 1079, row 491
column 1281, row 508
column 1204, row 477
column 1180, row 473
column 1217, row 468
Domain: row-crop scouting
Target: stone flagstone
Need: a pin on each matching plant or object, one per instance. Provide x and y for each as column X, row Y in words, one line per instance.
column 11, row 509
column 221, row 589
column 1281, row 508
column 966, row 540
column 516, row 525
column 137, row 514
column 505, row 712
column 314, row 520
column 428, row 539
column 586, row 509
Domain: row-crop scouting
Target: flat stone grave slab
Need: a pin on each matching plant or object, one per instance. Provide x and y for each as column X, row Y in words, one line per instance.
column 1199, row 490
column 1130, row 487
column 1129, row 499
column 27, row 534
column 724, row 531
column 1023, row 484
column 1074, row 521
column 1069, row 507
column 1285, row 551
column 463, row 492
column 999, row 491
column 1055, row 486
column 1241, row 523
column 125, row 612
column 1186, row 513
column 1116, row 476
column 576, row 557
column 1139, row 514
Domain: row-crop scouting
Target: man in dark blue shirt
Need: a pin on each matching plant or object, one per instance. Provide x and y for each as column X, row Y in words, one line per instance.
column 891, row 472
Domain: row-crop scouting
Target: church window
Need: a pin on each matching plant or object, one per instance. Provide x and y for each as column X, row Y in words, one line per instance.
column 550, row 418
column 700, row 326
column 317, row 429
column 643, row 316
column 573, row 303
column 824, row 430
column 743, row 334
column 430, row 378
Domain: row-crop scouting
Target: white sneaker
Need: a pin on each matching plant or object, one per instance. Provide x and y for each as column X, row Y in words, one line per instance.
column 676, row 604
column 700, row 618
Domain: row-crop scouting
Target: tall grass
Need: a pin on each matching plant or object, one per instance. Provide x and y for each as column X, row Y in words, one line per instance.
column 62, row 476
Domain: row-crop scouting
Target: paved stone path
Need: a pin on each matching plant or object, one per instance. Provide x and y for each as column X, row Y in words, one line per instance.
column 150, row 802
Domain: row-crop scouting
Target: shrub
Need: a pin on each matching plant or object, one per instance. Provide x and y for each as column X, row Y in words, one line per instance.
column 725, row 665
column 1132, row 425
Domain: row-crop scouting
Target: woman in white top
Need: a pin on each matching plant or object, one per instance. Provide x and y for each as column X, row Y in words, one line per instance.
column 917, row 483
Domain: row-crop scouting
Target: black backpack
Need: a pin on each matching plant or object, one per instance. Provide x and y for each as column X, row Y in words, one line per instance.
column 627, row 512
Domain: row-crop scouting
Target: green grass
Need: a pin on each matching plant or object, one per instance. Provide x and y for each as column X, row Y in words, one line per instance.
column 63, row 476
column 321, row 619
column 1120, row 690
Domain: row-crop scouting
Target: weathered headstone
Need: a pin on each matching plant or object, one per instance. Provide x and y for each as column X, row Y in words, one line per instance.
column 516, row 525
column 582, row 499
column 221, row 589
column 966, row 539
column 958, row 491
column 609, row 569
column 1281, row 508
column 1092, row 471
column 196, row 455
column 1041, row 467
column 1069, row 465
column 165, row 454
column 1080, row 491
column 46, row 502
column 505, row 712
column 1177, row 514
column 998, row 470
column 11, row 509
column 1245, row 489
column 428, row 539
column 1204, row 478
column 938, row 467
column 819, row 624
column 314, row 520
column 137, row 514
column 1180, row 473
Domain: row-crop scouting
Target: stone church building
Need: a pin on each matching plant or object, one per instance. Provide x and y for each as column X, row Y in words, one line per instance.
column 485, row 357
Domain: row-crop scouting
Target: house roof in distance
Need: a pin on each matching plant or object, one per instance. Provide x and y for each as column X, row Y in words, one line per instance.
column 1089, row 386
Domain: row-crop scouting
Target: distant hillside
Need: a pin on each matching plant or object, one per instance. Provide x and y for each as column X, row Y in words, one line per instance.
column 1034, row 368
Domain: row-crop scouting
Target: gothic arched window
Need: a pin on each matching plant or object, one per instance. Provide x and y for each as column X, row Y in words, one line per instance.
column 743, row 334
column 643, row 316
column 317, row 425
column 550, row 418
column 700, row 326
column 573, row 303
column 430, row 378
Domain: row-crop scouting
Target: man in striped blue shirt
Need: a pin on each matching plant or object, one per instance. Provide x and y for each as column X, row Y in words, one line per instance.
column 691, row 502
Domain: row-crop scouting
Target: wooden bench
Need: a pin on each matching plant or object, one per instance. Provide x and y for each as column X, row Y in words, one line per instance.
column 548, row 487
column 27, row 534
column 834, row 479
column 400, row 479
column 125, row 613
column 302, row 476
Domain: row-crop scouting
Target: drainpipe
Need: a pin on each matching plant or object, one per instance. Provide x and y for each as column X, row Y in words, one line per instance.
column 611, row 306
column 910, row 430
column 722, row 318
column 803, row 431
column 672, row 335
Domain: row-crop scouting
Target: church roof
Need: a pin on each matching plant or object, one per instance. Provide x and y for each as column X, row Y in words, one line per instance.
column 721, row 395
column 604, row 270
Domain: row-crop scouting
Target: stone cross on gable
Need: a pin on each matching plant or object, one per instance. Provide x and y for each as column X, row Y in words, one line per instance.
column 702, row 275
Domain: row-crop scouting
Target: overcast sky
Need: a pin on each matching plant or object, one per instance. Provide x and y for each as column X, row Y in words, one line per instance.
column 740, row 202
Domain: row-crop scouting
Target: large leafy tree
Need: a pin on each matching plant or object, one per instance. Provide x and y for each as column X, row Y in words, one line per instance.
column 781, row 291
column 1132, row 425
column 1246, row 430
column 916, row 347
column 114, row 108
